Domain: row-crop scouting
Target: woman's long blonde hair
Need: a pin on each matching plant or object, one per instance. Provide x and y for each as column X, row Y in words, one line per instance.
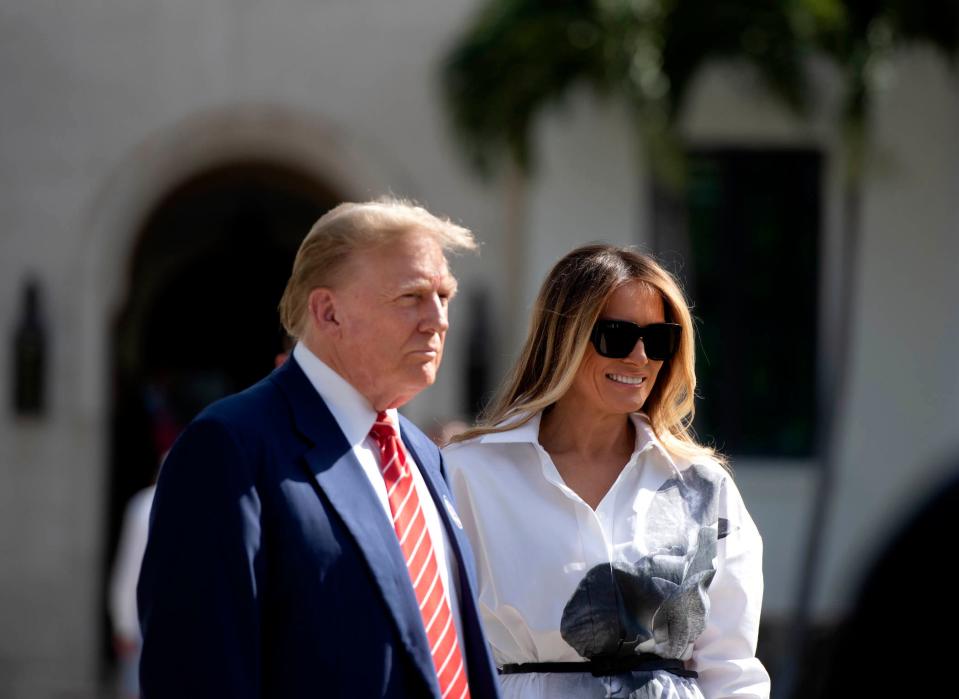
column 569, row 304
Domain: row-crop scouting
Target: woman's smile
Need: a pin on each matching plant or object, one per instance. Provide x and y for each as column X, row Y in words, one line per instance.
column 630, row 380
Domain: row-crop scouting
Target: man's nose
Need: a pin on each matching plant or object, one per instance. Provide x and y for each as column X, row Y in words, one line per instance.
column 435, row 318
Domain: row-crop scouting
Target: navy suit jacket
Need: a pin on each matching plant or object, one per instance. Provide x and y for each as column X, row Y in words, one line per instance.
column 271, row 571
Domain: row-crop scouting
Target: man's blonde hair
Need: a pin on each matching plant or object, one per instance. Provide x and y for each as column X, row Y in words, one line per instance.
column 351, row 227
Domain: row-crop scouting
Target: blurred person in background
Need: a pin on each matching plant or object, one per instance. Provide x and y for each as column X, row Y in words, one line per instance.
column 616, row 556
column 122, row 605
column 123, row 590
column 286, row 346
column 890, row 619
column 303, row 540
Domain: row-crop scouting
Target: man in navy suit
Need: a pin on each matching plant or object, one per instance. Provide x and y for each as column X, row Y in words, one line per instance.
column 279, row 562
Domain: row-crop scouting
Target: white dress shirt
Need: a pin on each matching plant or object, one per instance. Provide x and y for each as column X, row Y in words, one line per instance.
column 355, row 417
column 668, row 563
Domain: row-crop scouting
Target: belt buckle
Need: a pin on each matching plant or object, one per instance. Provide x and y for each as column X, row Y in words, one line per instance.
column 603, row 665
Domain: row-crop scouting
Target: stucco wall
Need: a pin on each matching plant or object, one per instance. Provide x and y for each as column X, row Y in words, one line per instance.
column 107, row 105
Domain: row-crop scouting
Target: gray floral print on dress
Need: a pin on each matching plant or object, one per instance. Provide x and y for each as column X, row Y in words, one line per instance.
column 657, row 604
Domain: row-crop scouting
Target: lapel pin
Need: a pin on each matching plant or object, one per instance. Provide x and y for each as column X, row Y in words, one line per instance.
column 452, row 512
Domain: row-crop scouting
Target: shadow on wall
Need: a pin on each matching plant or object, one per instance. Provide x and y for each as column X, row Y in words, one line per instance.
column 902, row 624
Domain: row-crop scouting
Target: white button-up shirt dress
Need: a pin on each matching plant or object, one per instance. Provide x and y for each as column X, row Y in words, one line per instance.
column 669, row 563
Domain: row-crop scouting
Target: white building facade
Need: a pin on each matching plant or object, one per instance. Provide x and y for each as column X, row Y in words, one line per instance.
column 108, row 107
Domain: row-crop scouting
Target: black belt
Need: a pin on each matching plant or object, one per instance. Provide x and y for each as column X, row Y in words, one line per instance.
column 604, row 666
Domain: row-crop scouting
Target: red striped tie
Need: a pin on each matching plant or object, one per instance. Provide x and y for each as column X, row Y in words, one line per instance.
column 410, row 525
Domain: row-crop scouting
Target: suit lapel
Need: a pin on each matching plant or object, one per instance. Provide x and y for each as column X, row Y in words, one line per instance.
column 349, row 492
column 482, row 676
column 340, row 478
column 428, row 460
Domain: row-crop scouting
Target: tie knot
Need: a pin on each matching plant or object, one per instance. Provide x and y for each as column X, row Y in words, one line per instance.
column 382, row 429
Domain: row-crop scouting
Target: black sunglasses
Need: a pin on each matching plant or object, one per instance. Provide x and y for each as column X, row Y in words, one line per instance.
column 617, row 338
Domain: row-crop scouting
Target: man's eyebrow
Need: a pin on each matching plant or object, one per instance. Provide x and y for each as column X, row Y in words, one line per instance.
column 413, row 285
column 447, row 284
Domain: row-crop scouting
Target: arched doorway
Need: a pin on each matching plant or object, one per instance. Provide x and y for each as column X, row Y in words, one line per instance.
column 199, row 322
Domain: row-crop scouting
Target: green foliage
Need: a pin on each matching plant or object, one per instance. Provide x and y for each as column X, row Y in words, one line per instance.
column 517, row 57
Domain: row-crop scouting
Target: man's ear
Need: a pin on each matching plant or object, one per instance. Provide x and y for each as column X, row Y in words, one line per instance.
column 323, row 310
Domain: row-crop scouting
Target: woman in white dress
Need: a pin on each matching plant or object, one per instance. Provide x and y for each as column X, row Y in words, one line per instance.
column 615, row 555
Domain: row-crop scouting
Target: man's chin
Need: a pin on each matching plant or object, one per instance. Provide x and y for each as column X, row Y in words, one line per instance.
column 427, row 375
column 418, row 379
column 423, row 366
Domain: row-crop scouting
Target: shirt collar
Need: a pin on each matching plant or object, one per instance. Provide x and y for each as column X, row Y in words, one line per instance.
column 647, row 439
column 350, row 408
column 529, row 433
